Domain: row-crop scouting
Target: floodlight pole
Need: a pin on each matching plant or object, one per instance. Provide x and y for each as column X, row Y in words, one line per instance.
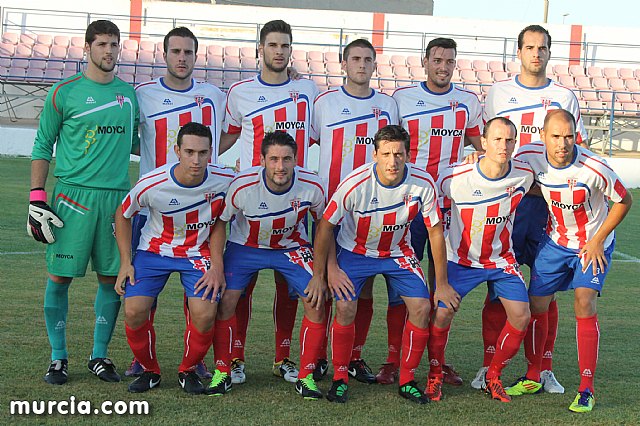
column 546, row 10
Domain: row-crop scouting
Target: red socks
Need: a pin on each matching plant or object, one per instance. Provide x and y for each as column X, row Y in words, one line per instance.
column 437, row 344
column 547, row 357
column 311, row 335
column 223, row 339
column 243, row 314
column 328, row 313
column 534, row 344
column 362, row 324
column 196, row 346
column 284, row 318
column 142, row 342
column 507, row 346
column 493, row 320
column 342, row 337
column 396, row 318
column 588, row 336
column 414, row 342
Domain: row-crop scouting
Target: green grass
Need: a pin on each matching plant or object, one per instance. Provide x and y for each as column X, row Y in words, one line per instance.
column 24, row 351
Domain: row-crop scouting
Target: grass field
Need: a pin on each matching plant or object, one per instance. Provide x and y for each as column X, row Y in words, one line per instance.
column 264, row 399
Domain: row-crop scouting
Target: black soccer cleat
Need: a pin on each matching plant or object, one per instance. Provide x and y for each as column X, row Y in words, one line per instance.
column 411, row 392
column 190, row 382
column 322, row 365
column 359, row 370
column 147, row 381
column 57, row 373
column 338, row 392
column 104, row 369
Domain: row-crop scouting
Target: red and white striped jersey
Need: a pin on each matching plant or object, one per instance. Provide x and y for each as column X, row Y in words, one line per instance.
column 374, row 219
column 269, row 220
column 345, row 126
column 255, row 108
column 163, row 111
column 180, row 217
column 481, row 220
column 577, row 195
column 437, row 124
column 527, row 107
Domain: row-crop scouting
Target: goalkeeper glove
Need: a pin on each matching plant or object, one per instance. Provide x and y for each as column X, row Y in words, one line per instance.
column 41, row 217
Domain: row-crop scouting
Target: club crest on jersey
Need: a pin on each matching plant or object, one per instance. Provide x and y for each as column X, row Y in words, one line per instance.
column 294, row 95
column 376, row 112
column 407, row 199
column 199, row 100
column 572, row 182
column 453, row 104
column 510, row 190
column 209, row 196
column 295, row 204
column 120, row 99
column 546, row 102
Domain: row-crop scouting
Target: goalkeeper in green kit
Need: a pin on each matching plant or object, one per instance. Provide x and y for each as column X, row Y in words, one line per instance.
column 92, row 118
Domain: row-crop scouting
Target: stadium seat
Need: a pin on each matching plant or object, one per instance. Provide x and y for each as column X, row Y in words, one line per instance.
column 316, row 56
column 20, row 62
column 75, row 53
column 299, row 55
column 560, row 69
column 52, row 75
column 146, row 57
column 576, row 70
column 40, row 51
column 333, row 68
column 199, row 74
column 10, row 38
column 7, row 49
column 382, row 59
column 231, row 52
column 398, row 60
column 215, row 61
column 68, row 73
column 588, row 95
column 158, row 58
column 401, row 72
column 77, row 41
column 147, row 46
column 474, row 87
column 335, row 81
column 248, row 52
column 583, row 82
column 16, row 74
column 34, row 75
column 496, row 66
column 301, row 66
column 249, row 64
column 417, row 73
column 500, row 75
column 387, row 84
column 201, row 61
column 23, row 50
column 479, row 65
column 566, row 81
column 616, row 106
column 141, row 78
column 624, row 97
column 636, row 73
column 385, row 71
column 632, row 85
column 605, row 96
column 594, row 72
column 160, row 46
column 58, row 52
column 61, row 40
column 45, row 39
column 320, row 80
column 414, row 61
column 130, row 44
column 126, row 77
column 29, row 39
column 485, row 77
column 630, row 109
column 57, row 57
column 594, row 106
column 331, row 57
column 232, row 62
column 600, row 83
column 464, row 64
column 610, row 72
column 374, row 84
column 617, row 84
column 626, row 73
column 468, row 76
column 513, row 67
column 455, row 76
column 317, row 67
column 5, row 62
column 215, row 50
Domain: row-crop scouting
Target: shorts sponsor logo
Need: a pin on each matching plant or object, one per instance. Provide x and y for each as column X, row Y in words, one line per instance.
column 595, row 280
column 64, row 256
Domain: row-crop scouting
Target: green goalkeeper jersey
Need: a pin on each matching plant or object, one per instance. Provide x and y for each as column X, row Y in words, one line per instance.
column 94, row 127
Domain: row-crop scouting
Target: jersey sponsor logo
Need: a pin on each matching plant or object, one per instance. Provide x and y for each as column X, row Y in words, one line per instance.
column 200, row 225
column 533, row 130
column 110, row 130
column 364, row 140
column 174, row 202
column 546, row 102
column 447, row 132
column 64, row 256
column 167, row 102
column 263, row 206
column 396, row 227
column 453, row 104
column 290, row 125
column 90, row 101
column 199, row 100
column 262, row 99
column 564, row 206
column 203, row 264
column 345, row 111
column 302, row 257
column 295, row 204
column 294, row 95
column 513, row 100
column 120, row 99
column 283, row 231
column 497, row 220
column 477, row 193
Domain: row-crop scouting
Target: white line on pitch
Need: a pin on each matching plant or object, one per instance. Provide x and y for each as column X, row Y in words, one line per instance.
column 626, row 256
column 14, row 253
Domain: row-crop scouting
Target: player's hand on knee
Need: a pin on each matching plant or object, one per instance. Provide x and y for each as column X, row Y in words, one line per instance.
column 126, row 273
column 339, row 284
column 447, row 295
column 41, row 217
column 211, row 282
column 592, row 253
column 316, row 292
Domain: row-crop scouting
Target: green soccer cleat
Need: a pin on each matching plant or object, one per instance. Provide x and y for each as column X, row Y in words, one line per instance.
column 583, row 403
column 338, row 392
column 308, row 389
column 220, row 384
column 411, row 392
column 524, row 386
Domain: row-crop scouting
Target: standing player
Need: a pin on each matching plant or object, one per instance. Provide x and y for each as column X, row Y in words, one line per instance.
column 269, row 102
column 576, row 250
column 483, row 197
column 93, row 118
column 166, row 104
column 269, row 203
column 183, row 201
column 345, row 121
column 441, row 119
column 382, row 196
column 525, row 100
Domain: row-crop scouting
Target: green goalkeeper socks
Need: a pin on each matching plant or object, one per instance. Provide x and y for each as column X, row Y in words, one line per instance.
column 106, row 307
column 56, row 305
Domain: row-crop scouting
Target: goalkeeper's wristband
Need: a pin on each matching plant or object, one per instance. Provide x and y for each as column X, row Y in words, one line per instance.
column 38, row 194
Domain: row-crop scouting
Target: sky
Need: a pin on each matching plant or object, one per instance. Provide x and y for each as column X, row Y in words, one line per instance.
column 585, row 12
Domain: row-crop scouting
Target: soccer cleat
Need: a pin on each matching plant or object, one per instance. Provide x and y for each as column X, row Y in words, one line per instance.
column 322, row 366
column 57, row 372
column 434, row 388
column 524, row 386
column 147, row 381
column 237, row 372
column 550, row 383
column 411, row 392
column 220, row 384
column 359, row 370
column 104, row 369
column 308, row 389
column 134, row 370
column 286, row 369
column 338, row 392
column 451, row 376
column 388, row 374
column 202, row 371
column 583, row 403
column 190, row 382
column 494, row 388
column 480, row 380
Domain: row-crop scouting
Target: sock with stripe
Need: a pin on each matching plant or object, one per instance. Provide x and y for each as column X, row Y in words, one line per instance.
column 342, row 337
column 414, row 342
column 507, row 347
column 396, row 318
column 588, row 336
column 362, row 323
column 311, row 334
column 243, row 315
column 142, row 342
column 196, row 346
column 552, row 333
column 493, row 320
column 534, row 344
column 223, row 339
column 437, row 344
column 284, row 318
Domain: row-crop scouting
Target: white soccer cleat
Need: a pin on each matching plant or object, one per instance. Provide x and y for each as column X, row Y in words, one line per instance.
column 479, row 381
column 238, row 376
column 549, row 382
column 286, row 369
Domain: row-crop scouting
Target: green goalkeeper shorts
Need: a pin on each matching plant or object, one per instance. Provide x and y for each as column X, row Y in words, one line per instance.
column 88, row 231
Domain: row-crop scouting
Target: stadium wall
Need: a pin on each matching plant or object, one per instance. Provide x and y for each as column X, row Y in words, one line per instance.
column 416, row 7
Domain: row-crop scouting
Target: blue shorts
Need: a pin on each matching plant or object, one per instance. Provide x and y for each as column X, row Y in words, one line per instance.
column 506, row 283
column 152, row 272
column 559, row 268
column 403, row 274
column 242, row 262
column 137, row 223
column 529, row 226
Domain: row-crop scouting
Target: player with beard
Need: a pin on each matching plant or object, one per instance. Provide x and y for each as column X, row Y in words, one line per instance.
column 92, row 119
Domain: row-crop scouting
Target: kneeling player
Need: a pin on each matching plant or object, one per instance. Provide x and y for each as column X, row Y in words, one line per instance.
column 184, row 201
column 483, row 198
column 269, row 203
column 576, row 252
column 375, row 205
